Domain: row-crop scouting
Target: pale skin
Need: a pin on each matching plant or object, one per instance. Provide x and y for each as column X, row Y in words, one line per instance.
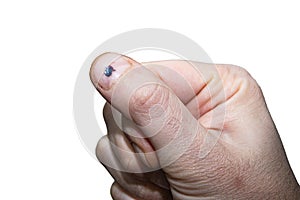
column 247, row 162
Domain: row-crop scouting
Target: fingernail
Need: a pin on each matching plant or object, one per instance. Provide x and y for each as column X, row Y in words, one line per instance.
column 108, row 68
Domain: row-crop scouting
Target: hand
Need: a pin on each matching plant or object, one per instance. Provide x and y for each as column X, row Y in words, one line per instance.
column 188, row 130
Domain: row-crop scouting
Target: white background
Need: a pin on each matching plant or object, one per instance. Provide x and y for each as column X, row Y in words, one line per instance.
column 44, row 43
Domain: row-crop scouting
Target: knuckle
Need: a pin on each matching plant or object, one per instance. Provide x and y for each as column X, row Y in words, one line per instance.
column 243, row 75
column 107, row 113
column 144, row 99
column 101, row 148
column 113, row 190
column 241, row 79
column 116, row 191
column 250, row 87
column 149, row 95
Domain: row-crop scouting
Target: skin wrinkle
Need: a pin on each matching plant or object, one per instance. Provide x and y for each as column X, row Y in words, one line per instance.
column 208, row 177
column 206, row 87
column 180, row 69
column 143, row 99
column 204, row 105
column 201, row 89
column 142, row 189
column 209, row 107
column 155, row 95
column 219, row 170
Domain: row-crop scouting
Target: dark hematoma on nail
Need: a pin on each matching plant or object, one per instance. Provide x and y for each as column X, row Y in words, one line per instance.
column 108, row 71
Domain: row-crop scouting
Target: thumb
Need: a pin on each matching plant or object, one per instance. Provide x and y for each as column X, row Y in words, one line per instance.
column 143, row 98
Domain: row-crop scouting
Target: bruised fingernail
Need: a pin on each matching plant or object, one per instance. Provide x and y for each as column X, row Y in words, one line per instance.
column 108, row 71
column 107, row 68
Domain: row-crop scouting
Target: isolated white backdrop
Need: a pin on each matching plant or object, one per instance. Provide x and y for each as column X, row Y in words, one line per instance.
column 44, row 43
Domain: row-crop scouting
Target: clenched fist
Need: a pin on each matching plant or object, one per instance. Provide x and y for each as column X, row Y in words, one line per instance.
column 188, row 130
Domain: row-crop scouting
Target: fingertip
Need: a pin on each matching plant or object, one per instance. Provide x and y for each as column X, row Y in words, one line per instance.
column 102, row 147
column 119, row 193
column 107, row 68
